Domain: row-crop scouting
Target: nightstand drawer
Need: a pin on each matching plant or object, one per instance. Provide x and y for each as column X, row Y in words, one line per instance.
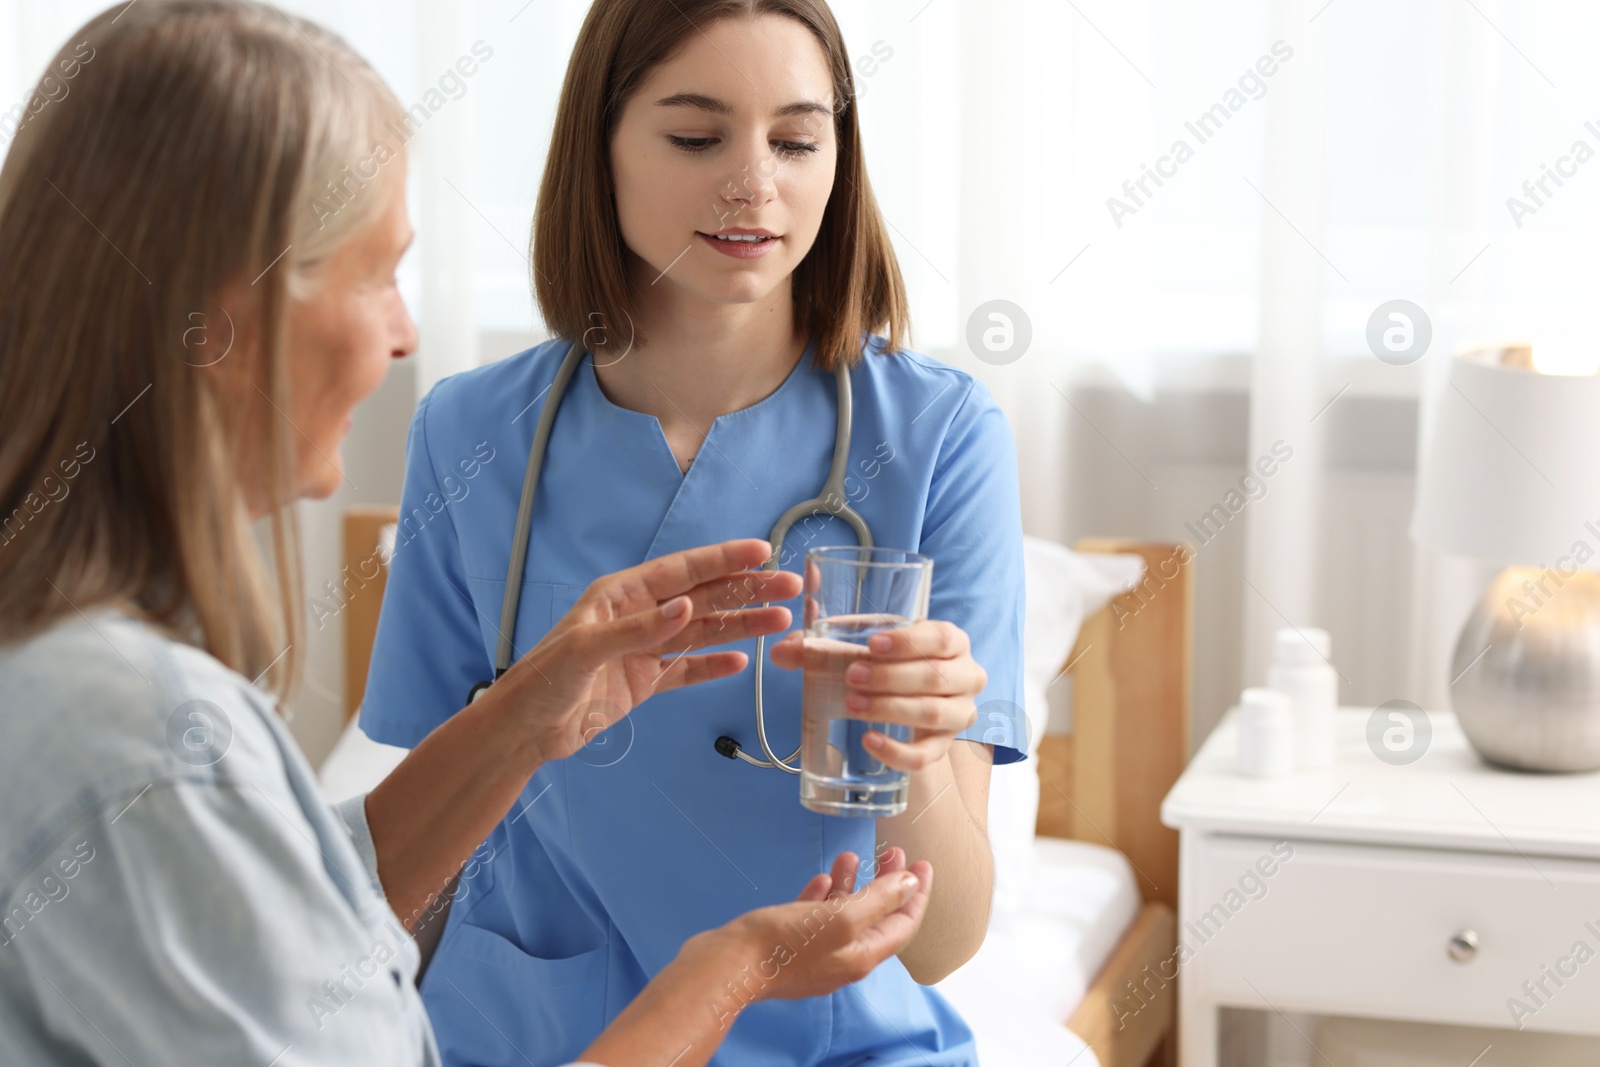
column 1359, row 930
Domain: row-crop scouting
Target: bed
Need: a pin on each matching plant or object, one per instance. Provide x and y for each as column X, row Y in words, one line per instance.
column 1076, row 966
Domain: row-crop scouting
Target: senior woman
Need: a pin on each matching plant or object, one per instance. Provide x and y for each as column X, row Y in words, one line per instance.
column 196, row 289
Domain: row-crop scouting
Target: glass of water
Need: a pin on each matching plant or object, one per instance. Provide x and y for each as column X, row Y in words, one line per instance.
column 852, row 593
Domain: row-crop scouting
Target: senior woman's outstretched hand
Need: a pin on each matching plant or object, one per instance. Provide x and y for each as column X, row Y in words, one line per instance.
column 830, row 936
column 835, row 934
column 631, row 634
column 637, row 632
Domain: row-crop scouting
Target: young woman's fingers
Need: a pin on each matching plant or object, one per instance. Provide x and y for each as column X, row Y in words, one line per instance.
column 932, row 639
column 680, row 671
column 906, row 756
column 944, row 714
column 937, row 677
column 729, row 626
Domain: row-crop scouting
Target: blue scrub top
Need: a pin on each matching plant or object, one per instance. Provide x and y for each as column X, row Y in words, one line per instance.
column 617, row 855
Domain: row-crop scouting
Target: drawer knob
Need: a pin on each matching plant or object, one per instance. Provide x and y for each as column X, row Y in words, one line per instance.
column 1464, row 946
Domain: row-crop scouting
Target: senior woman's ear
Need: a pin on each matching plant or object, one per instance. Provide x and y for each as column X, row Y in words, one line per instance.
column 222, row 342
column 218, row 339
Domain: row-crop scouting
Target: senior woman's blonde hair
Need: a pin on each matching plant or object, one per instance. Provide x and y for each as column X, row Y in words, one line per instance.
column 203, row 148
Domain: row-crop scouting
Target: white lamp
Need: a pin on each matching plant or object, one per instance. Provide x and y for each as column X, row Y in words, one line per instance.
column 1510, row 473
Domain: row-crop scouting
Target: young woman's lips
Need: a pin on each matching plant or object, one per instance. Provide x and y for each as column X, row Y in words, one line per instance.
column 742, row 249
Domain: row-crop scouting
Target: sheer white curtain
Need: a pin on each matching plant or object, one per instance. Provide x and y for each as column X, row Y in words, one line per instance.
column 1289, row 167
column 1335, row 156
column 1369, row 152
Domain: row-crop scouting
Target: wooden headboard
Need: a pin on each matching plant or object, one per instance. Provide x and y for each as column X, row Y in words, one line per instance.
column 1104, row 783
column 1131, row 672
column 362, row 529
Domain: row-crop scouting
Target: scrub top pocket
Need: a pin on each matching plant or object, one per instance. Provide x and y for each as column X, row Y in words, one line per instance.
column 554, row 1006
column 539, row 606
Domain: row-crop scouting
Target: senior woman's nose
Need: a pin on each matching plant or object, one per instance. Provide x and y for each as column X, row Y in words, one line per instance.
column 408, row 337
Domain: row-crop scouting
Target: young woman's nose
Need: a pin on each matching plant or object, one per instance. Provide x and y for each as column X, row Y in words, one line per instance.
column 752, row 181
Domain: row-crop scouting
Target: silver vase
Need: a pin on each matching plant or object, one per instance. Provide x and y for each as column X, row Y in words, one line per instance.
column 1532, row 700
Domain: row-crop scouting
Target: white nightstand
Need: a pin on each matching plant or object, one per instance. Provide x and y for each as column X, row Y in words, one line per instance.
column 1430, row 891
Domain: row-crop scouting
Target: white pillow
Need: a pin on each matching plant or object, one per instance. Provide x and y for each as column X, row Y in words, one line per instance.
column 1064, row 588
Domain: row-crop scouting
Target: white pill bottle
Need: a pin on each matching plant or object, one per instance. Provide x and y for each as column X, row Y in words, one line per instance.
column 1266, row 734
column 1301, row 670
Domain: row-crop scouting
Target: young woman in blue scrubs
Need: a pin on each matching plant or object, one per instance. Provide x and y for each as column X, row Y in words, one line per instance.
column 706, row 410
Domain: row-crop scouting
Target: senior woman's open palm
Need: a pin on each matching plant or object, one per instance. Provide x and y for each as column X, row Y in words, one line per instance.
column 640, row 631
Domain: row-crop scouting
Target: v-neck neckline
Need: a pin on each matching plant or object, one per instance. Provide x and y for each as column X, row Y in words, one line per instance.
column 592, row 382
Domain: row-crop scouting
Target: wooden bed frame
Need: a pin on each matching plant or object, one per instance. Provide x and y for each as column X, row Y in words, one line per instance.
column 1103, row 783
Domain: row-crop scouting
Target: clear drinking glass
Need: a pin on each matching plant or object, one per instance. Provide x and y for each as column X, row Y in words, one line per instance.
column 852, row 593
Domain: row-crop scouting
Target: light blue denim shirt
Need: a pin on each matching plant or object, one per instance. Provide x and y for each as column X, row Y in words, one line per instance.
column 173, row 888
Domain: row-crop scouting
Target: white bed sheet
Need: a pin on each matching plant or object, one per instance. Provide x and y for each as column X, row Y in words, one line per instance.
column 1037, row 963
column 1034, row 966
column 356, row 764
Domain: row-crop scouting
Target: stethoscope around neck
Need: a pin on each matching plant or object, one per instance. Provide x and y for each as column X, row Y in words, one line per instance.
column 830, row 500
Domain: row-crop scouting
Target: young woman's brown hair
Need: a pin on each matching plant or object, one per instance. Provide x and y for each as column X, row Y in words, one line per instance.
column 190, row 158
column 848, row 285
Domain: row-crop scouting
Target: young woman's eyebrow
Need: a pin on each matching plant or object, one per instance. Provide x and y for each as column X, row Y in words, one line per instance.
column 701, row 102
